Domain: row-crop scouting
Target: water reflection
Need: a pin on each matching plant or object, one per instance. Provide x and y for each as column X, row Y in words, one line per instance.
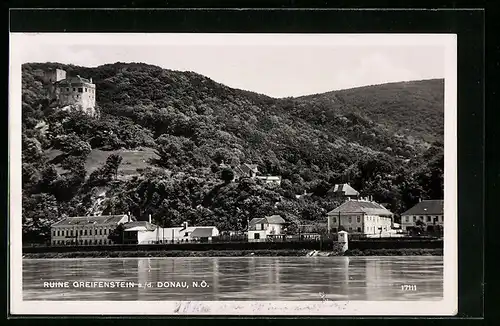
column 242, row 278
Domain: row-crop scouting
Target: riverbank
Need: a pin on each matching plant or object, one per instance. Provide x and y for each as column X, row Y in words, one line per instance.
column 231, row 253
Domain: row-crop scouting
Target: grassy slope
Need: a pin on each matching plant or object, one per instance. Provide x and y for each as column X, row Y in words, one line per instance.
column 132, row 159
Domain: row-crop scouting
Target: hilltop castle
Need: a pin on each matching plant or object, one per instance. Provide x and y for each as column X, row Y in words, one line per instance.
column 74, row 91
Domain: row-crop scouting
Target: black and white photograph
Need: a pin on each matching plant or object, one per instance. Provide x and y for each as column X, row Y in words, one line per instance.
column 256, row 174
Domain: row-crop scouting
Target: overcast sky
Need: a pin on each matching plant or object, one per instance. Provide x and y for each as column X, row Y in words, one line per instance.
column 278, row 69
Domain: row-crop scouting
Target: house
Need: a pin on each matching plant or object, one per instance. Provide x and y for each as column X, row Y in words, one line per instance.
column 270, row 180
column 86, row 230
column 259, row 229
column 343, row 192
column 428, row 214
column 360, row 216
column 179, row 234
column 246, row 171
column 134, row 232
column 204, row 234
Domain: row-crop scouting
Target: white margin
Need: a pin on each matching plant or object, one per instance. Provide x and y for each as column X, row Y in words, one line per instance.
column 20, row 42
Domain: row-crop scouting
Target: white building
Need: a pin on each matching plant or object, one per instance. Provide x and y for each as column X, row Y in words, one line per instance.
column 259, row 229
column 361, row 216
column 428, row 214
column 270, row 180
column 183, row 233
column 86, row 230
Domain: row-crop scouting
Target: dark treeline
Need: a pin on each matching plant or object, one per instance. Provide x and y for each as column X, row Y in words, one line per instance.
column 194, row 124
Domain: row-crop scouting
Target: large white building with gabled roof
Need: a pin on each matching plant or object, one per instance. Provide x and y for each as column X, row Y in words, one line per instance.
column 360, row 216
column 86, row 230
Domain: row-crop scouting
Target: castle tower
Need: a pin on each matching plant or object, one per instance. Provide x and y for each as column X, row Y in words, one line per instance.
column 55, row 75
column 75, row 91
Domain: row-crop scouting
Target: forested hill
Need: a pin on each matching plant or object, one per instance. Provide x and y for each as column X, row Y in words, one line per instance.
column 193, row 124
column 413, row 108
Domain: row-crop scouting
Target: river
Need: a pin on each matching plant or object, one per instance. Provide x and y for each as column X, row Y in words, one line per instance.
column 235, row 278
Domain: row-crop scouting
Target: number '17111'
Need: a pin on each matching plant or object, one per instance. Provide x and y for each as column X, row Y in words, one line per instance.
column 408, row 287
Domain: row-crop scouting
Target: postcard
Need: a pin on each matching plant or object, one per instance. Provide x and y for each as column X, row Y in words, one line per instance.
column 233, row 174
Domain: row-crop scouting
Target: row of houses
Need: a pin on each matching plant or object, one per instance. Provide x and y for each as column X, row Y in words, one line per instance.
column 361, row 216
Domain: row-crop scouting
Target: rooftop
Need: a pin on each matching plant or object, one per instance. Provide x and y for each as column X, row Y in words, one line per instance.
column 274, row 219
column 344, row 189
column 427, row 207
column 202, row 232
column 139, row 226
column 74, row 79
column 86, row 220
column 361, row 206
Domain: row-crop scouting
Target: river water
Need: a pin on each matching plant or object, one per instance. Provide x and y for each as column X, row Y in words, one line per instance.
column 235, row 278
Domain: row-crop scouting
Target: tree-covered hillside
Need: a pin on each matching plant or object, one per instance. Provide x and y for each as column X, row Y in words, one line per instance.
column 413, row 108
column 194, row 125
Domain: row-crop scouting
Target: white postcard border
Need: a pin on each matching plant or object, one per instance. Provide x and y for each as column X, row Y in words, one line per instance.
column 20, row 42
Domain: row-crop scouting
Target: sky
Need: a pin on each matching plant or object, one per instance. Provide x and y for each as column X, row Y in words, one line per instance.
column 278, row 66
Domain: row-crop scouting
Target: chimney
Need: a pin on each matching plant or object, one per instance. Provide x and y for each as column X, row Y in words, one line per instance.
column 128, row 220
column 91, row 80
column 149, row 218
column 419, row 199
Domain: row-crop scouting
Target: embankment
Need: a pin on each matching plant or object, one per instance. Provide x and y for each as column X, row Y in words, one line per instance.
column 231, row 253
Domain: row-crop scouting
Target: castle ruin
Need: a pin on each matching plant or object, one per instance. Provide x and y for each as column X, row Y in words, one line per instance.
column 72, row 91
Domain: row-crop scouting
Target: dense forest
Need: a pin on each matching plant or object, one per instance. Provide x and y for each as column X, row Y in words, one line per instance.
column 194, row 124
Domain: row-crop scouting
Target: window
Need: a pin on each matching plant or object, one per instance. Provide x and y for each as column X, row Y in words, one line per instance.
column 85, row 90
column 80, row 90
column 100, row 231
column 414, row 218
column 58, row 232
column 85, row 232
column 350, row 229
column 256, row 235
column 95, row 232
column 334, row 220
column 350, row 220
column 74, row 89
column 67, row 89
column 359, row 219
column 100, row 241
column 186, row 234
column 359, row 229
column 71, row 232
column 407, row 219
column 105, row 231
column 428, row 218
column 81, row 232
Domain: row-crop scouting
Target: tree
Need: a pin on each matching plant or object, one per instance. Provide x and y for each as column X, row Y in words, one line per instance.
column 117, row 234
column 227, row 175
column 40, row 211
column 113, row 163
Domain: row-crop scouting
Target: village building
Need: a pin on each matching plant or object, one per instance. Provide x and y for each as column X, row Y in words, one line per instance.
column 270, row 180
column 252, row 171
column 86, row 230
column 259, row 229
column 180, row 234
column 135, row 232
column 343, row 192
column 72, row 91
column 246, row 171
column 360, row 216
column 427, row 214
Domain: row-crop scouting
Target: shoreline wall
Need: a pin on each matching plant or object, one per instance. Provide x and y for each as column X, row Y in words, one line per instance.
column 238, row 246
